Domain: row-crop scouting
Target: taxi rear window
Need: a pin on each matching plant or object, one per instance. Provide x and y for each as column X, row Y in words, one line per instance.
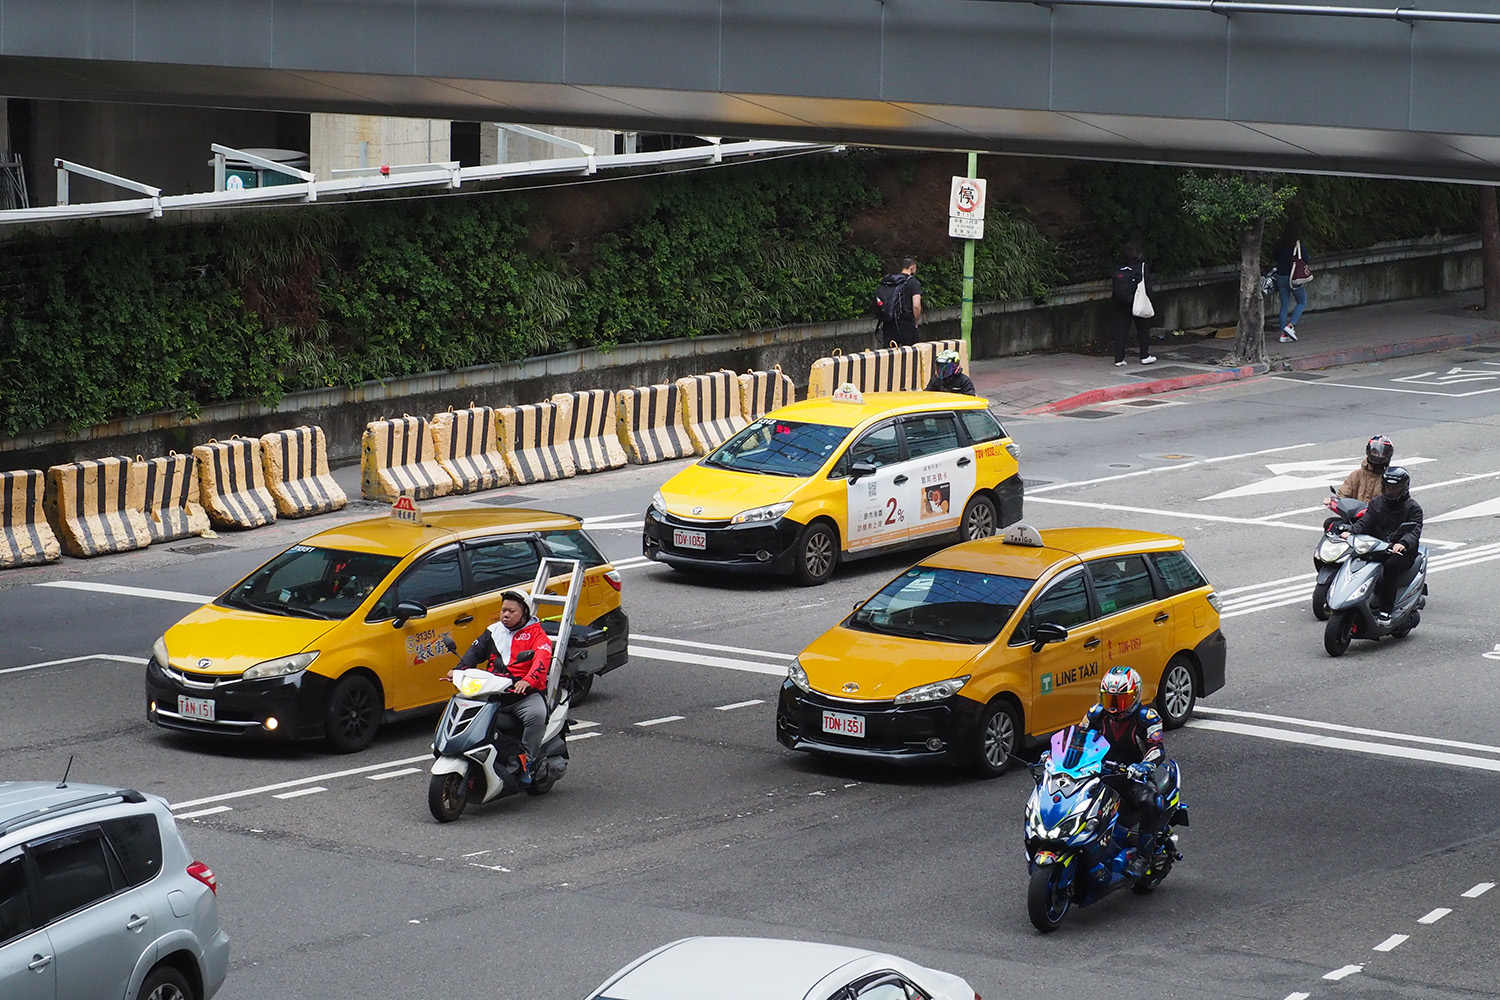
column 1178, row 572
column 779, row 448
column 945, row 605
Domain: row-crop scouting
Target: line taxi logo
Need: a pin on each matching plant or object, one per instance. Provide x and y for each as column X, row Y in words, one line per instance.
column 1046, row 684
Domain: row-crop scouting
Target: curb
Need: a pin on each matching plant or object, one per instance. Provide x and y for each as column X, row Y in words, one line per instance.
column 1381, row 352
column 1117, row 392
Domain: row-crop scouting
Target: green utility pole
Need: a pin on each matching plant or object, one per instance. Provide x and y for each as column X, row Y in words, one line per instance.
column 966, row 316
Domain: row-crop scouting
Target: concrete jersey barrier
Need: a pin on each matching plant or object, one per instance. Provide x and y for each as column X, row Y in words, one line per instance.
column 232, row 483
column 762, row 392
column 928, row 350
column 711, row 409
column 96, row 506
column 651, row 426
column 26, row 539
column 171, row 503
column 297, row 475
column 591, row 435
column 398, row 458
column 890, row 369
column 531, row 436
column 468, row 448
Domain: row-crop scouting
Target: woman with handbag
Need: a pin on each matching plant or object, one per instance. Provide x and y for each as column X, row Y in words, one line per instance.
column 1292, row 276
column 1131, row 289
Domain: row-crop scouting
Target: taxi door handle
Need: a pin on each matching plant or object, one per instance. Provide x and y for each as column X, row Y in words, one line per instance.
column 964, row 461
column 1092, row 643
column 463, row 620
column 899, row 480
column 1161, row 618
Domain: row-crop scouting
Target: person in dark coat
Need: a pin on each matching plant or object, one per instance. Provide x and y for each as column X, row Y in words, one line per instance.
column 1131, row 272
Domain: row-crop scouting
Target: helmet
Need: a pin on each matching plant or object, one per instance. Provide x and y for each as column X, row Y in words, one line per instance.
column 948, row 363
column 1379, row 450
column 1120, row 691
column 1396, row 483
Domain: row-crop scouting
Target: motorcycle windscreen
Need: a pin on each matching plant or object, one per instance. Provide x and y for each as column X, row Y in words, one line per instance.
column 1076, row 753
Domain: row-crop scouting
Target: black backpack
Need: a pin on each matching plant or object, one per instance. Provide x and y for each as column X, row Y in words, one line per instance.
column 1122, row 288
column 890, row 299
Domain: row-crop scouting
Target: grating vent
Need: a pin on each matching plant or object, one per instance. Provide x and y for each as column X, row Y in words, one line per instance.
column 1144, row 402
column 1152, row 373
column 506, row 500
column 1086, row 414
column 201, row 548
column 1300, row 376
column 1485, row 348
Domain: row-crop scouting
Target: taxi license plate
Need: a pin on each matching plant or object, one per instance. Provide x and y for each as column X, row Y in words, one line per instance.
column 844, row 725
column 195, row 708
column 689, row 539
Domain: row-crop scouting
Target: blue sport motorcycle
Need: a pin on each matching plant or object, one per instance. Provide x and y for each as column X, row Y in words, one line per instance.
column 1076, row 848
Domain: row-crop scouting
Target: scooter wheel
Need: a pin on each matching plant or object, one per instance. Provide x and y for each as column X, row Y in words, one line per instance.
column 447, row 794
column 1338, row 632
column 1320, row 602
column 1047, row 898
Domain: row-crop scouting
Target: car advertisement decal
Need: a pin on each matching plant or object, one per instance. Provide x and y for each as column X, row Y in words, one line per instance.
column 944, row 487
column 876, row 511
column 426, row 646
column 1073, row 675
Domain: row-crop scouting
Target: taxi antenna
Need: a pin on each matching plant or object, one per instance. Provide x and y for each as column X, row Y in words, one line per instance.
column 64, row 782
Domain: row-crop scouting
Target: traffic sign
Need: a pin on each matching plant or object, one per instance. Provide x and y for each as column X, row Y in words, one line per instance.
column 965, row 228
column 966, row 200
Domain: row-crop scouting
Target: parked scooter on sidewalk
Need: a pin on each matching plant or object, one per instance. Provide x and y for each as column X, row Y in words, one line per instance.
column 1351, row 595
column 1332, row 550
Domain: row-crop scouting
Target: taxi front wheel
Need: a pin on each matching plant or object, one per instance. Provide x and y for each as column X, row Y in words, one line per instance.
column 817, row 554
column 994, row 740
column 353, row 714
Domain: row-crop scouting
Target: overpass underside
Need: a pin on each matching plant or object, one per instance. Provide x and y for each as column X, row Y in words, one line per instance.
column 1349, row 91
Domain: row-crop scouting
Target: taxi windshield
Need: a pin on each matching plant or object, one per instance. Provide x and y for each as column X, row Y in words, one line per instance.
column 779, row 448
column 947, row 605
column 309, row 582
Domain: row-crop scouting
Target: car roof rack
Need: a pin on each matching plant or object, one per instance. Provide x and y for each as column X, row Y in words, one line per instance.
column 72, row 805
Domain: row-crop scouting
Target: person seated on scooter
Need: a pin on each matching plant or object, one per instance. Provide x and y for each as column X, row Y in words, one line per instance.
column 1385, row 518
column 1363, row 483
column 948, row 375
column 498, row 650
column 1134, row 734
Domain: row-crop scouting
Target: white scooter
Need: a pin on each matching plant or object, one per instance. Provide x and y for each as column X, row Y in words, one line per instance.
column 1351, row 595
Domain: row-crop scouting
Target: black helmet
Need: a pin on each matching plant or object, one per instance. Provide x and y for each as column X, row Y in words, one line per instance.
column 1379, row 450
column 1396, row 483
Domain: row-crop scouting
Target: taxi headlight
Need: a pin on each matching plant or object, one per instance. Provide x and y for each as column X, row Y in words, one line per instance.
column 159, row 652
column 1332, row 548
column 280, row 667
column 798, row 676
column 657, row 503
column 933, row 692
column 760, row 515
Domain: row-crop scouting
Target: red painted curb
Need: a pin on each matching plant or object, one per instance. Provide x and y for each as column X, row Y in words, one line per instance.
column 1118, row 392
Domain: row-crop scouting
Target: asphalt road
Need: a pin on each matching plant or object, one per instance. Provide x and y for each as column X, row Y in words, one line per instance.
column 1337, row 804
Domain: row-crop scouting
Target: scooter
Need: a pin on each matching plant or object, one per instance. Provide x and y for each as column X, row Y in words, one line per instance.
column 1332, row 550
column 1351, row 595
column 1076, row 849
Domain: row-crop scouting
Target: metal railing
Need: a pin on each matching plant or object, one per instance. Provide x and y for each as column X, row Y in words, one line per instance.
column 1226, row 8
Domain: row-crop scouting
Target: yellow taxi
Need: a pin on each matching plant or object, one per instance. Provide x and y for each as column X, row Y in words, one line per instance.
column 974, row 650
column 839, row 477
column 356, row 625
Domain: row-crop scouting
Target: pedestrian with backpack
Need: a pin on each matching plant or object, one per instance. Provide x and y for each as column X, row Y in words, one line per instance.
column 898, row 305
column 1130, row 290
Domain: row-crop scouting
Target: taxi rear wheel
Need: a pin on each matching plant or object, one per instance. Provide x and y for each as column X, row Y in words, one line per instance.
column 979, row 519
column 994, row 740
column 1177, row 693
column 817, row 554
column 353, row 714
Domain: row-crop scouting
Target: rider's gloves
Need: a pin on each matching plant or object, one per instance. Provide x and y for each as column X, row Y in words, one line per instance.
column 1140, row 772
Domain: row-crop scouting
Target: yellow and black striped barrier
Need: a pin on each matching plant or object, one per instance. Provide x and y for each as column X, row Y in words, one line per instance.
column 232, row 483
column 531, row 438
column 592, row 439
column 711, row 409
column 96, row 506
column 398, row 458
column 26, row 539
column 297, row 475
column 762, row 392
column 171, row 499
column 890, row 369
column 468, row 449
column 930, row 349
column 651, row 427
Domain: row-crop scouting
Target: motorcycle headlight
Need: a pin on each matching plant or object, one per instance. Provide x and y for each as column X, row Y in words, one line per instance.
column 159, row 651
column 760, row 515
column 1362, row 589
column 657, row 503
column 279, row 667
column 1332, row 548
column 798, row 676
column 1364, row 544
column 933, row 692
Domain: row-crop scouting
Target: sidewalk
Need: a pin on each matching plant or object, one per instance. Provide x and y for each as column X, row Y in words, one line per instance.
column 1054, row 383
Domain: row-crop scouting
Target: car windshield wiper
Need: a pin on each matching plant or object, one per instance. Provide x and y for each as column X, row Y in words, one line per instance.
column 269, row 608
column 937, row 636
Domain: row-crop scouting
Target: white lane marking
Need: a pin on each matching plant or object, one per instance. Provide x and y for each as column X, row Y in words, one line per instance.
column 1339, row 743
column 204, row 812
column 1414, row 392
column 1165, row 468
column 634, row 563
column 1299, row 578
column 1435, row 915
column 244, row 793
column 708, row 645
column 1298, row 996
column 664, row 718
column 1355, row 730
column 111, row 588
column 1343, row 973
column 476, row 854
column 678, row 656
column 580, row 724
column 393, row 774
column 111, row 657
column 1479, row 890
column 581, row 736
column 314, row 790
column 635, row 525
column 1390, row 943
column 604, row 519
column 1220, row 518
column 739, row 704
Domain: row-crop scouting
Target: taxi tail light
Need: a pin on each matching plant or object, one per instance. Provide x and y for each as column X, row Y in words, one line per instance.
column 614, row 578
column 204, row 874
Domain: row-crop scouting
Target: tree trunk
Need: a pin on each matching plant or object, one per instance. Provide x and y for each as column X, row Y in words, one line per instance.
column 1489, row 239
column 1250, row 338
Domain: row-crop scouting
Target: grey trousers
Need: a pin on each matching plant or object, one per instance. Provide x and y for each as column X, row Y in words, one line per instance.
column 531, row 713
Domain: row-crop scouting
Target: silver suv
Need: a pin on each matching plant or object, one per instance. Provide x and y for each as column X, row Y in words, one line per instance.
column 99, row 898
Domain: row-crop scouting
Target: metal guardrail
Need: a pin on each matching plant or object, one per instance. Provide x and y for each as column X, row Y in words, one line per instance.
column 1226, row 8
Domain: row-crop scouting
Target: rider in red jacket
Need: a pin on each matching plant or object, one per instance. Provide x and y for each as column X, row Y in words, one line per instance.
column 498, row 650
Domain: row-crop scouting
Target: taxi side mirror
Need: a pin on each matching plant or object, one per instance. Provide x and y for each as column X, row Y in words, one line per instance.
column 1046, row 632
column 859, row 470
column 858, row 605
column 407, row 610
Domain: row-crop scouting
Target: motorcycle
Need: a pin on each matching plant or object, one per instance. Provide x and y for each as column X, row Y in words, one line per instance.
column 1332, row 550
column 478, row 746
column 1351, row 595
column 1077, row 851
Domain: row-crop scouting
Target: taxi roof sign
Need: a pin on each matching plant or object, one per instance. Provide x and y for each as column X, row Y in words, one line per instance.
column 406, row 509
column 848, row 393
column 1022, row 534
